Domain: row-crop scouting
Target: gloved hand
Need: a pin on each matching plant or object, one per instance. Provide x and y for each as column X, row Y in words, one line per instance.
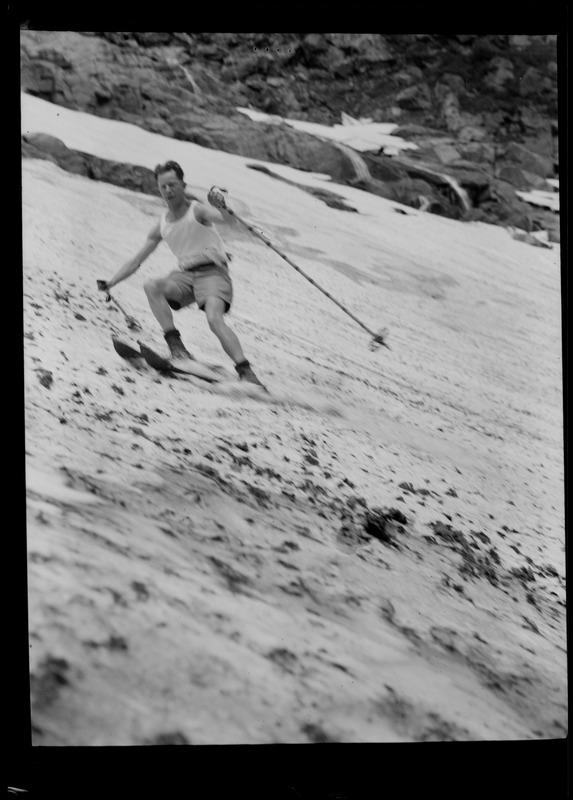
column 216, row 197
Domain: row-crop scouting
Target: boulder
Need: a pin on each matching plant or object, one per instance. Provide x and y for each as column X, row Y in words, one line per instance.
column 446, row 153
column 332, row 58
column 471, row 133
column 519, row 178
column 451, row 112
column 50, row 145
column 479, row 152
column 275, row 143
column 383, row 168
column 534, row 83
column 520, row 41
column 415, row 98
column 315, row 42
column 506, row 207
column 500, row 73
column 409, row 192
column 29, row 151
column 67, row 159
column 408, row 76
column 446, row 84
column 526, row 159
column 130, row 176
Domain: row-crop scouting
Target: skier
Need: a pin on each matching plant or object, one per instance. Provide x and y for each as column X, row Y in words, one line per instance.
column 187, row 226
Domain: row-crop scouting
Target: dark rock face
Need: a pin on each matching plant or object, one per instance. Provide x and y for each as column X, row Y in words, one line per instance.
column 491, row 100
column 130, row 176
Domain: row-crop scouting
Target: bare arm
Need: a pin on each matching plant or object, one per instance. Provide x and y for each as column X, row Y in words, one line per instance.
column 207, row 216
column 153, row 239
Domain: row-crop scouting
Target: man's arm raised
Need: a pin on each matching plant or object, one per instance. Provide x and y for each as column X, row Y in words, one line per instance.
column 219, row 213
column 153, row 239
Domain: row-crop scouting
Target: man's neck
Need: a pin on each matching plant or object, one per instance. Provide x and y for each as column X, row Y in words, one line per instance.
column 178, row 209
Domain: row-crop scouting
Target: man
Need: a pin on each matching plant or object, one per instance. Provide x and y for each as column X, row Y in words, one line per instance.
column 187, row 226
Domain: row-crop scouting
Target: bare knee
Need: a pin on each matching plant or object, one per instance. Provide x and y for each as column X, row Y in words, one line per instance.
column 215, row 320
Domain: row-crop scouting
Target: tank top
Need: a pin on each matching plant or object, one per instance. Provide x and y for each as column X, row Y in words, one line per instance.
column 187, row 238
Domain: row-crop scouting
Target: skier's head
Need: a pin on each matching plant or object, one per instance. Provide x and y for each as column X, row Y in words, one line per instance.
column 170, row 181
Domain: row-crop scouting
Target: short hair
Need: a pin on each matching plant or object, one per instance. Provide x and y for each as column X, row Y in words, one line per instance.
column 169, row 166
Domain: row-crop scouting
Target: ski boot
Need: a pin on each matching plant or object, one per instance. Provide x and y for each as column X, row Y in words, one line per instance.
column 176, row 346
column 245, row 373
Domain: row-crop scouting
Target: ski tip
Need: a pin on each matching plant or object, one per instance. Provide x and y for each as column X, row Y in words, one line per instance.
column 123, row 349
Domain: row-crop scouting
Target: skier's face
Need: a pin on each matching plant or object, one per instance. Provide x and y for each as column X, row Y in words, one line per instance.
column 171, row 188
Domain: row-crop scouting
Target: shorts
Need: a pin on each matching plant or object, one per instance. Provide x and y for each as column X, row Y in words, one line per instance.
column 197, row 285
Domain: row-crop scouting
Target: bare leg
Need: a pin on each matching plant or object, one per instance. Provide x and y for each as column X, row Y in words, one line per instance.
column 214, row 311
column 157, row 291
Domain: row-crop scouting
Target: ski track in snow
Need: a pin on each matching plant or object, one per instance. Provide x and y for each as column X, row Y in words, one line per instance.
column 197, row 568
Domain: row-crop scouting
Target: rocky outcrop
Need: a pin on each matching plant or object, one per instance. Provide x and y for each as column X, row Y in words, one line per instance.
column 484, row 106
column 151, row 89
column 130, row 176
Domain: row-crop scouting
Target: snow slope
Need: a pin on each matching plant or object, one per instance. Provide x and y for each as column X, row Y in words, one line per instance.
column 197, row 570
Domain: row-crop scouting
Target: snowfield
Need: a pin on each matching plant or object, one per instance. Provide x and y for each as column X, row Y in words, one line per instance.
column 199, row 568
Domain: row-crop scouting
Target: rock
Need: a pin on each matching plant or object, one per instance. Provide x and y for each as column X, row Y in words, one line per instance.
column 333, row 57
column 520, row 41
column 409, row 190
column 526, row 159
column 520, row 178
column 448, row 83
column 534, row 83
column 375, row 187
column 45, row 377
column 409, row 76
column 130, row 176
column 480, row 152
column 188, row 86
column 527, row 238
column 500, row 73
column 369, row 47
column 502, row 205
column 415, row 98
column 552, row 69
column 315, row 42
column 446, row 153
column 276, row 143
column 48, row 144
column 29, row 151
column 70, row 160
column 413, row 131
column 472, row 133
column 383, row 168
column 451, row 112
column 158, row 125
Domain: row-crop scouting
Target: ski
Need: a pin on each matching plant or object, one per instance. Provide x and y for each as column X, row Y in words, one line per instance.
column 211, row 377
column 198, row 369
column 191, row 366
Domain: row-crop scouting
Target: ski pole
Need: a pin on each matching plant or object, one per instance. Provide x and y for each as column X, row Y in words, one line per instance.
column 131, row 321
column 377, row 338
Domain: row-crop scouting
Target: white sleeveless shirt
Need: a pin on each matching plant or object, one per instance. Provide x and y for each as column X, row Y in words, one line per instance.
column 188, row 239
